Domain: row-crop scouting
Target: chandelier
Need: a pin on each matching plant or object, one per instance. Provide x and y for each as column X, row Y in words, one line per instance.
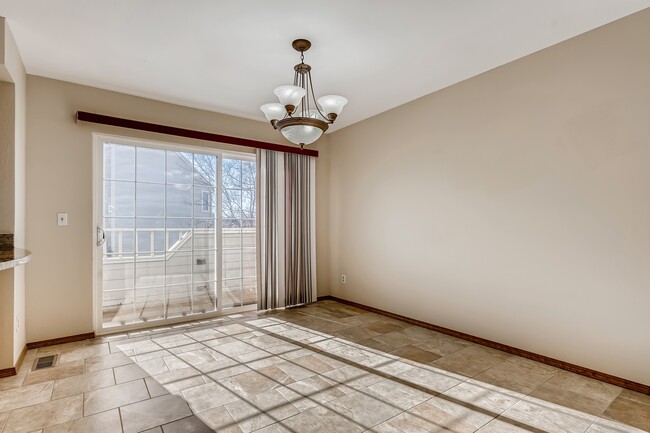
column 299, row 116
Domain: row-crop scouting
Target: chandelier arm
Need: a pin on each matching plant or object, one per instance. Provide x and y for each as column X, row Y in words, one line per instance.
column 306, row 83
column 313, row 95
column 304, row 105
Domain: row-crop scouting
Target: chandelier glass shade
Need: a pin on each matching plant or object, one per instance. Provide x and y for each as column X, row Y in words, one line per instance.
column 299, row 116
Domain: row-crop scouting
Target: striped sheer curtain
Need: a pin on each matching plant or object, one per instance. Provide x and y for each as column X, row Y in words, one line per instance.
column 287, row 237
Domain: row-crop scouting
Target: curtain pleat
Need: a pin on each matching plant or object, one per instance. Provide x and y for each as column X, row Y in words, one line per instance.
column 286, row 212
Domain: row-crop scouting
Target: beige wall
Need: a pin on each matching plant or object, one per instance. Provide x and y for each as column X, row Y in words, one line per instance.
column 7, row 156
column 59, row 179
column 514, row 206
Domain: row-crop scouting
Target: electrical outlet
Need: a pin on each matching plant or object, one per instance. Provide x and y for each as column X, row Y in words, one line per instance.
column 344, row 279
column 62, row 219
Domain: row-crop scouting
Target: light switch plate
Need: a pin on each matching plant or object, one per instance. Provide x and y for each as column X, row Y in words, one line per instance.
column 62, row 219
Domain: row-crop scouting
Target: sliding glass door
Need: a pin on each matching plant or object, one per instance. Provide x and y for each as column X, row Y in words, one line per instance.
column 176, row 232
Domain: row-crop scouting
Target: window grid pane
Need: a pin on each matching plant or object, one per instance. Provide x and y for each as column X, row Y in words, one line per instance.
column 160, row 257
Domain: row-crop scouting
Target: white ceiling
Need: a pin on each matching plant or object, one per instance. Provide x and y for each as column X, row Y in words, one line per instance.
column 228, row 56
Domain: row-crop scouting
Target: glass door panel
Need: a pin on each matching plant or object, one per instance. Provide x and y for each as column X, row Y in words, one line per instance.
column 180, row 232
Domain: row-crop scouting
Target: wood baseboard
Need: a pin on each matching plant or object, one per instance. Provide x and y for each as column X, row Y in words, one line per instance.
column 6, row 372
column 61, row 340
column 584, row 371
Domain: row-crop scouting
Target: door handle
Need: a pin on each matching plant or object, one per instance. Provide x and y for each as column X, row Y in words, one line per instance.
column 101, row 236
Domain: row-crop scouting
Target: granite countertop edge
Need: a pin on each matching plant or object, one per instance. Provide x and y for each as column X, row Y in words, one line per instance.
column 10, row 258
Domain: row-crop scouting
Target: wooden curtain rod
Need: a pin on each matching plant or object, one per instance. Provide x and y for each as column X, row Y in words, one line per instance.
column 188, row 133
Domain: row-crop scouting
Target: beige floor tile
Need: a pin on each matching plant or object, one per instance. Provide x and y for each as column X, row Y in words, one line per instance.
column 59, row 371
column 357, row 354
column 431, row 378
column 235, row 348
column 249, row 417
column 312, row 363
column 60, row 348
column 108, row 422
column 255, row 355
column 261, row 410
column 450, row 415
column 312, row 391
column 219, row 371
column 190, row 424
column 547, row 416
column 155, row 389
column 174, row 362
column 630, row 412
column 295, row 372
column 25, row 396
column 233, row 329
column 265, row 341
column 415, row 354
column 356, row 333
column 418, row 332
column 203, row 355
column 208, row 396
column 578, row 392
column 82, row 383
column 28, row 362
column 186, row 348
column 635, row 396
column 220, row 420
column 150, row 355
column 504, row 425
column 204, row 334
column 129, row 372
column 39, row 416
column 442, row 344
column 298, row 353
column 363, row 318
column 114, row 396
column 471, row 360
column 397, row 394
column 384, row 326
column 157, row 411
column 125, row 346
column 395, row 340
column 3, row 419
column 106, row 361
column 608, row 426
column 177, row 386
column 275, row 374
column 154, row 366
column 12, row 381
column 314, row 419
column 84, row 352
column 176, row 340
column 371, row 343
column 363, row 408
column 353, row 377
column 493, row 399
column 396, row 367
column 249, row 384
column 176, row 375
column 518, row 374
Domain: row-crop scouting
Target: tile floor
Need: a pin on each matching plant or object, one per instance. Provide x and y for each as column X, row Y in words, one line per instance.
column 326, row 367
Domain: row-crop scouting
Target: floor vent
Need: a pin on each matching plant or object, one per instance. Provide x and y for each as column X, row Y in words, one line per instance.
column 44, row 362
